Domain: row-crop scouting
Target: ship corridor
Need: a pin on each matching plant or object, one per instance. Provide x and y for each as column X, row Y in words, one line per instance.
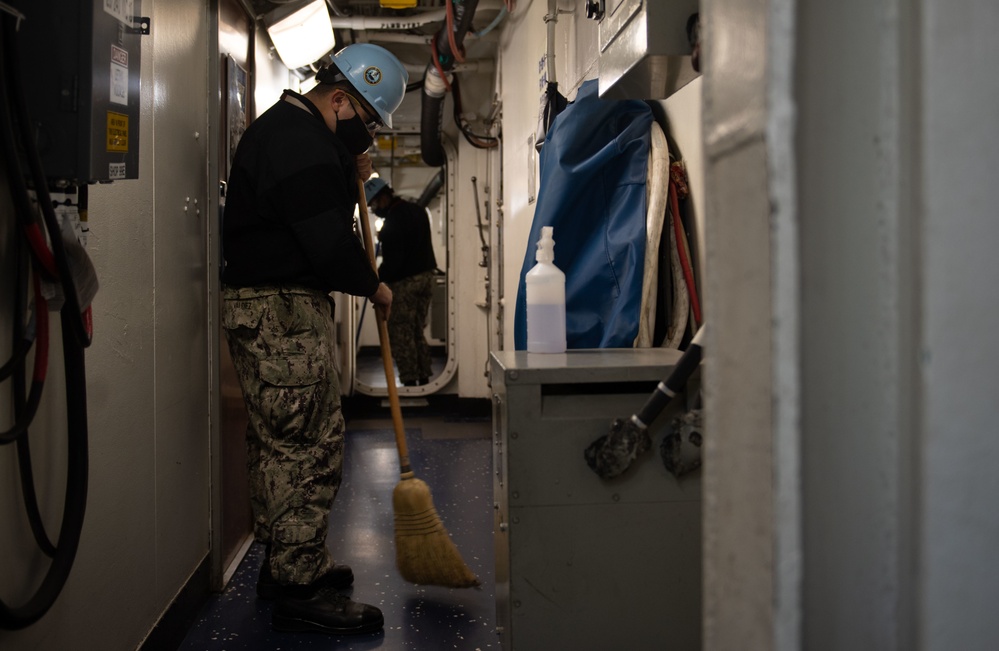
column 449, row 445
column 841, row 158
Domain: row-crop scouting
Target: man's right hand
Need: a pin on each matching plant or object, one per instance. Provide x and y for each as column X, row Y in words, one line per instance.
column 382, row 299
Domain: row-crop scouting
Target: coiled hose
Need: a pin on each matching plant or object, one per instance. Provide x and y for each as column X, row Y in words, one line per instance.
column 75, row 338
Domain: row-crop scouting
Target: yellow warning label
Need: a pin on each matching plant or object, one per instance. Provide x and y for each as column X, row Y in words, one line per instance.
column 117, row 132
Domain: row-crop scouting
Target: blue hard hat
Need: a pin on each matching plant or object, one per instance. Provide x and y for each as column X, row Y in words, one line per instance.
column 376, row 74
column 373, row 186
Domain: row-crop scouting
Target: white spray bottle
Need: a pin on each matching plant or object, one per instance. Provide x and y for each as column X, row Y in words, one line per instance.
column 545, row 300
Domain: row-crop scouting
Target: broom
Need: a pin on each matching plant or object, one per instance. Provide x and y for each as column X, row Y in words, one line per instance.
column 424, row 551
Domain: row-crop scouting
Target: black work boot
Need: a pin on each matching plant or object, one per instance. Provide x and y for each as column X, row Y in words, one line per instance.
column 268, row 589
column 306, row 609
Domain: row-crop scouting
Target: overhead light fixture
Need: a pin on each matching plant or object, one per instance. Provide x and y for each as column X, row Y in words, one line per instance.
column 301, row 32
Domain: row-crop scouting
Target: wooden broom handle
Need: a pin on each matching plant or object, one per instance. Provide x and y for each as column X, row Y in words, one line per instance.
column 383, row 339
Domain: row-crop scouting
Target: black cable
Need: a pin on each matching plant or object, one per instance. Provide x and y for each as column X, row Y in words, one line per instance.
column 20, row 345
column 13, row 72
column 477, row 141
column 76, row 492
column 25, row 410
column 23, row 451
column 75, row 338
column 27, row 474
column 20, row 351
column 432, row 108
column 478, row 215
column 432, row 189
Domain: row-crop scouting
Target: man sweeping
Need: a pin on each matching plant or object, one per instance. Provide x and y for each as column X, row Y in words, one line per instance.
column 288, row 242
column 408, row 266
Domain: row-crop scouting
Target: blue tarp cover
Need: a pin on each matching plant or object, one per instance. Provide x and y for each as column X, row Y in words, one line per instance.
column 593, row 168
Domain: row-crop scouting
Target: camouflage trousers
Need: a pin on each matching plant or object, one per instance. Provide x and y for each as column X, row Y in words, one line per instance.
column 407, row 320
column 281, row 344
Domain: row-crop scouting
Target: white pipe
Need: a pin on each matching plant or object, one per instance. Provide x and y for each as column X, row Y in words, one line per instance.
column 417, row 39
column 433, row 83
column 479, row 65
column 401, row 22
column 551, row 18
column 395, row 22
column 394, row 37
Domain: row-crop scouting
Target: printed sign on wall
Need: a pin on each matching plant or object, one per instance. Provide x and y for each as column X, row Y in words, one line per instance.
column 119, row 76
column 123, row 10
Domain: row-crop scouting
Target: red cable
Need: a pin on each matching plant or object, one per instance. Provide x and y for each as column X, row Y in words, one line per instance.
column 41, row 334
column 688, row 273
column 437, row 64
column 41, row 250
column 459, row 55
column 44, row 256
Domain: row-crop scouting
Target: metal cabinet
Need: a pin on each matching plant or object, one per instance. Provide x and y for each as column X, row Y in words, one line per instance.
column 584, row 563
column 645, row 52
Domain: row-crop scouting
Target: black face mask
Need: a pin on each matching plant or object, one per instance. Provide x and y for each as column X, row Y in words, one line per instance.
column 354, row 135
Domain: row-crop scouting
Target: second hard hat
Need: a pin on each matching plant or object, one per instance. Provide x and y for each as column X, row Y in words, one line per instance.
column 372, row 187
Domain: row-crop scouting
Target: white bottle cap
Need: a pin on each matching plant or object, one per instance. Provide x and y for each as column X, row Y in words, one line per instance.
column 546, row 245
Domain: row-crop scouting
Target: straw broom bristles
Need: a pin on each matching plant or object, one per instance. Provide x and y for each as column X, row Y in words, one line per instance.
column 424, row 551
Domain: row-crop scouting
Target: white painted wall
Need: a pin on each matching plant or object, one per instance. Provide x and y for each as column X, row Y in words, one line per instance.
column 471, row 317
column 146, row 527
column 684, row 114
column 522, row 43
column 272, row 77
column 958, row 352
column 853, row 274
column 852, row 364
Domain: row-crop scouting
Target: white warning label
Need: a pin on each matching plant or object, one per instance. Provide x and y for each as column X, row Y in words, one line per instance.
column 116, row 171
column 119, row 84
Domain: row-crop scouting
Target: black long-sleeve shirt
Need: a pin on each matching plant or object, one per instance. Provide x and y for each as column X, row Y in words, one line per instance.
column 407, row 248
column 289, row 206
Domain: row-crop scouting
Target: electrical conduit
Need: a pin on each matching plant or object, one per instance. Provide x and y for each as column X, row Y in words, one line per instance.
column 436, row 80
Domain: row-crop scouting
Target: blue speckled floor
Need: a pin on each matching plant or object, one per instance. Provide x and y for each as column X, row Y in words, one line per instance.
column 453, row 458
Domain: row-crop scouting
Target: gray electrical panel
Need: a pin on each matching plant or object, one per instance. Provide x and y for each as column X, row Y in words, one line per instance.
column 80, row 63
column 645, row 52
column 584, row 563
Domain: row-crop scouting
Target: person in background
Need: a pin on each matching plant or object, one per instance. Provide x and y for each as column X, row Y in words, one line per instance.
column 288, row 241
column 408, row 266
